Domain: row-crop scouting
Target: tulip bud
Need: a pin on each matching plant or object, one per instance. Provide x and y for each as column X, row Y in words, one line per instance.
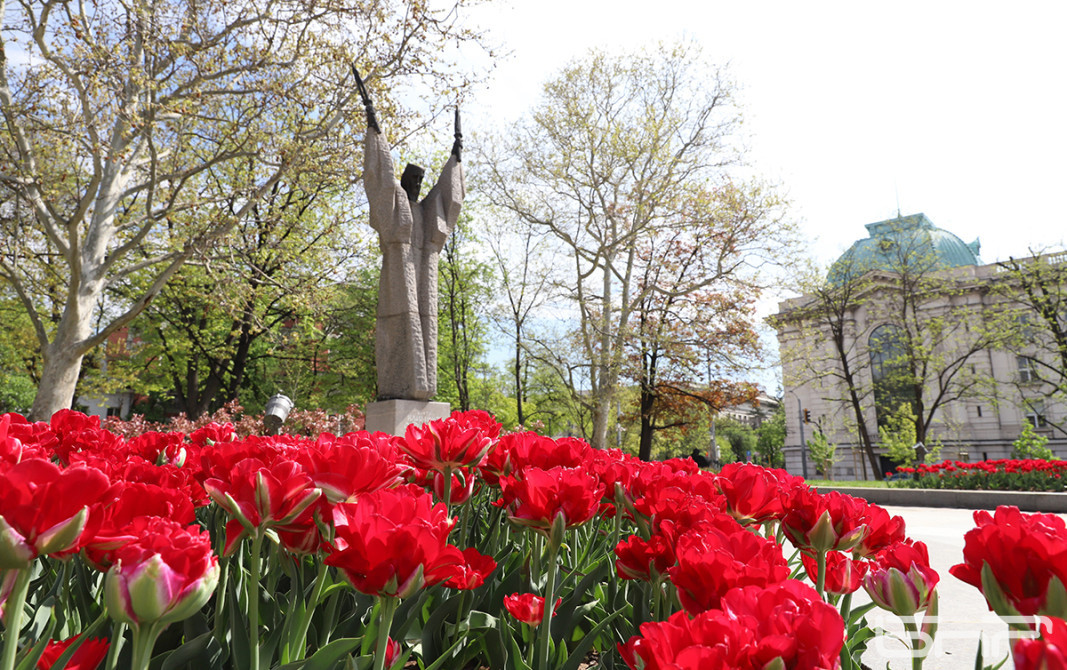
column 901, row 593
column 164, row 576
column 412, row 585
column 63, row 535
column 822, row 536
column 152, row 592
column 15, row 552
column 557, row 532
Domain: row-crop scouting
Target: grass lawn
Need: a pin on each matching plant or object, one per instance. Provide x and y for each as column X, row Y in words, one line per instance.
column 846, row 483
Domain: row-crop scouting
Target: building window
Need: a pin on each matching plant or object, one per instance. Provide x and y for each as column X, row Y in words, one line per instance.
column 1027, row 369
column 1035, row 412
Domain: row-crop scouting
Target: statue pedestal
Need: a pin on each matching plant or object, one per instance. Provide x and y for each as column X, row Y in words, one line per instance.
column 394, row 416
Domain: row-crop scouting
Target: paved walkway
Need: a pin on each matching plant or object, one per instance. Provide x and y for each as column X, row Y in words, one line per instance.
column 964, row 617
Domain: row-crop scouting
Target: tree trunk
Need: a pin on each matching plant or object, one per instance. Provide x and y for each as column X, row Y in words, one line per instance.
column 59, row 380
column 644, row 450
column 518, row 376
column 601, row 412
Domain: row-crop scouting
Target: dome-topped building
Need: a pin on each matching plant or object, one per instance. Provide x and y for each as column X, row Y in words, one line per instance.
column 929, row 337
column 914, row 237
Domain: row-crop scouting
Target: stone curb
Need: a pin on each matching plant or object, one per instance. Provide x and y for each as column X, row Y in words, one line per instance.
column 1027, row 501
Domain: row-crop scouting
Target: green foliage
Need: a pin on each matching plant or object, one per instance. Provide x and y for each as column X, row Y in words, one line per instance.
column 741, row 439
column 770, row 438
column 16, row 392
column 1031, row 445
column 19, row 358
column 822, row 453
column 898, row 435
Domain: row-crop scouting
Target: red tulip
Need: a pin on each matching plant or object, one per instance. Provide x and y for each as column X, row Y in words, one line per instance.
column 676, row 501
column 752, row 492
column 1017, row 560
column 882, row 531
column 843, row 575
column 647, row 560
column 784, row 625
column 1048, row 652
column 347, row 466
column 825, row 522
column 213, row 433
column 44, row 510
column 394, row 542
column 392, row 652
column 124, row 519
column 536, row 498
column 528, row 608
column 791, row 626
column 712, row 562
column 260, row 496
column 89, row 655
column 165, row 575
column 517, row 451
column 77, row 432
column 462, row 440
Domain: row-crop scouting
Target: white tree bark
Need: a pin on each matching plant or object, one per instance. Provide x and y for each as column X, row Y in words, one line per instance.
column 125, row 125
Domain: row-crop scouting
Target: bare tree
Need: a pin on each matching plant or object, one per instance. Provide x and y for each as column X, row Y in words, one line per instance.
column 1036, row 289
column 837, row 360
column 524, row 283
column 117, row 116
column 619, row 147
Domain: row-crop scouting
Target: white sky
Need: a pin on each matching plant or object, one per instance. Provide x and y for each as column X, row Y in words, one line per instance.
column 954, row 109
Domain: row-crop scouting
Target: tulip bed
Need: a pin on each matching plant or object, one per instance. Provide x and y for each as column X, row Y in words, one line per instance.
column 995, row 475
column 439, row 549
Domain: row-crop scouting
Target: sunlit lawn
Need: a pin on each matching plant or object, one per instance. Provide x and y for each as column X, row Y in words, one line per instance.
column 846, row 483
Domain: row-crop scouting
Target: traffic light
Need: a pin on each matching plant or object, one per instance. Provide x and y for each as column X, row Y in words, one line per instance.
column 807, row 416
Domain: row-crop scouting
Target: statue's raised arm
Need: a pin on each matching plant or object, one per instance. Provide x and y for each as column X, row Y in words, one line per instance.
column 457, row 146
column 368, row 105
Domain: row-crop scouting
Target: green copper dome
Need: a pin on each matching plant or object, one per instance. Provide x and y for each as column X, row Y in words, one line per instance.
column 906, row 241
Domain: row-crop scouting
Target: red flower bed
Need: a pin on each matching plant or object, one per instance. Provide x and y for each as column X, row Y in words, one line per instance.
column 447, row 542
column 997, row 475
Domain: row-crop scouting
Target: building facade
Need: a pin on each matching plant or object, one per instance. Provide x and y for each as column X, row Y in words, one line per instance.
column 909, row 321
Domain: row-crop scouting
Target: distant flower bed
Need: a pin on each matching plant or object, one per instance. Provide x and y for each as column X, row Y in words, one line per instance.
column 1006, row 474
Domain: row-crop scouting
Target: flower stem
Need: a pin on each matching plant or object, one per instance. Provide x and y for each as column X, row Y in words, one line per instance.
column 550, row 601
column 13, row 621
column 252, row 593
column 144, row 640
column 448, row 490
column 117, row 635
column 220, row 601
column 820, row 586
column 309, row 609
column 846, row 607
column 914, row 641
column 385, row 622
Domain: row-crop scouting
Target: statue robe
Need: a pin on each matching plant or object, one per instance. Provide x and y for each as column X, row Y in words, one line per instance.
column 411, row 236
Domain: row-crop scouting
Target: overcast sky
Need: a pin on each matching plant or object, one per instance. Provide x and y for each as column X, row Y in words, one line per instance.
column 954, row 109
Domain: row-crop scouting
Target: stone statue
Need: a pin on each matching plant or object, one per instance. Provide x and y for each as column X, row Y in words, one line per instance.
column 411, row 233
